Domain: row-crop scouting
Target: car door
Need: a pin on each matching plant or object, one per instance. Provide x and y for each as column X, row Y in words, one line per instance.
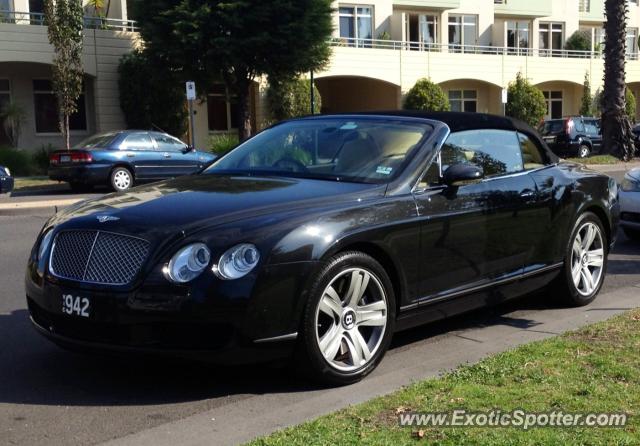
column 472, row 234
column 176, row 158
column 139, row 151
column 592, row 130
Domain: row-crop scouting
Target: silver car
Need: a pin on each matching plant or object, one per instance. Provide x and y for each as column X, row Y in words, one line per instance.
column 630, row 204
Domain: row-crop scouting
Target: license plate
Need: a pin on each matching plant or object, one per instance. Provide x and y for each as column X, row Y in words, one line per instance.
column 76, row 305
column 549, row 139
column 65, row 158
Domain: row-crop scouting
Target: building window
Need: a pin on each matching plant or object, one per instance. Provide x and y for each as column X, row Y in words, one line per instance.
column 597, row 37
column 6, row 5
column 36, row 6
column 632, row 42
column 463, row 100
column 222, row 113
column 356, row 24
column 46, row 109
column 554, row 104
column 422, row 31
column 551, row 39
column 518, row 37
column 463, row 32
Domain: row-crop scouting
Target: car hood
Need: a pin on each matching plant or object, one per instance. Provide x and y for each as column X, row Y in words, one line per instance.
column 198, row 201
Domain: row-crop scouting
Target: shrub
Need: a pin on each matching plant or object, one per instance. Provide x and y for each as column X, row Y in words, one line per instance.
column 221, row 144
column 292, row 98
column 18, row 161
column 579, row 41
column 630, row 104
column 525, row 102
column 41, row 159
column 426, row 96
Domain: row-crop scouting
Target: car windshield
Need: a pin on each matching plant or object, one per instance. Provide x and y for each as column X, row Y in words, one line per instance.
column 552, row 127
column 373, row 150
column 96, row 141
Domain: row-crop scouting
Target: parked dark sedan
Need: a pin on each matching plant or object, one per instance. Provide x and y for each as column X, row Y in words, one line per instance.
column 6, row 180
column 122, row 159
column 319, row 238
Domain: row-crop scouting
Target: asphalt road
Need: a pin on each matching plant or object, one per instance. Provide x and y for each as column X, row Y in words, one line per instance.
column 49, row 396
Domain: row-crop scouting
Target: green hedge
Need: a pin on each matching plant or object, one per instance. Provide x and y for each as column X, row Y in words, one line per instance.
column 24, row 163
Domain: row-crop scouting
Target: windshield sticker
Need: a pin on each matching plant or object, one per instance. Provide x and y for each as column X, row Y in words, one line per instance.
column 349, row 126
column 384, row 170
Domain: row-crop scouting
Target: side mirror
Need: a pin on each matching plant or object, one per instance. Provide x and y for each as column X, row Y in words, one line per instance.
column 188, row 149
column 462, row 173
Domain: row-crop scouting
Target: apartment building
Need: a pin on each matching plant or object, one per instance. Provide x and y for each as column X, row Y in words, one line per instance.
column 472, row 48
column 25, row 70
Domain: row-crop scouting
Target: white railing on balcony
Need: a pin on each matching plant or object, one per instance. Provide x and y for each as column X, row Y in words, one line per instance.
column 36, row 18
column 584, row 6
column 466, row 49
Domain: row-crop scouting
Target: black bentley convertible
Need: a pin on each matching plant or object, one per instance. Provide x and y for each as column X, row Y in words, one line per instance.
column 320, row 237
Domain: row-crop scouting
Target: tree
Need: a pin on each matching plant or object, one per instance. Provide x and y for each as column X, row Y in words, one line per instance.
column 525, row 102
column 426, row 96
column 630, row 105
column 292, row 98
column 586, row 104
column 617, row 137
column 238, row 41
column 64, row 19
column 150, row 95
column 579, row 41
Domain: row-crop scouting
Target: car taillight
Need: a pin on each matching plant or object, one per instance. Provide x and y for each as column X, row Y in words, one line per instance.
column 81, row 157
column 54, row 159
column 568, row 126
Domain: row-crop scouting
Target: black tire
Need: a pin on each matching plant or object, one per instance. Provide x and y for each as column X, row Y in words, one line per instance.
column 121, row 179
column 632, row 234
column 584, row 151
column 564, row 287
column 339, row 272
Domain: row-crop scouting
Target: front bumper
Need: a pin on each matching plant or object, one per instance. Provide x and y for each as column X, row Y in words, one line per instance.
column 216, row 326
column 6, row 185
column 93, row 174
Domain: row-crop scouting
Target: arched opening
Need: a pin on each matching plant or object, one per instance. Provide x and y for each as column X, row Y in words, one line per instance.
column 29, row 87
column 345, row 94
column 563, row 98
column 472, row 95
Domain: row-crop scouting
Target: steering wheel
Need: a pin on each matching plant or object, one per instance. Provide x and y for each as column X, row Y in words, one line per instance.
column 289, row 164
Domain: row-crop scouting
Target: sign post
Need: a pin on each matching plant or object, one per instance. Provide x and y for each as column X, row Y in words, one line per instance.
column 505, row 99
column 191, row 96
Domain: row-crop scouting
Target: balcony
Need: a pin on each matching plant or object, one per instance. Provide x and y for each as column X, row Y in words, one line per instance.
column 523, row 8
column 591, row 10
column 38, row 19
column 433, row 4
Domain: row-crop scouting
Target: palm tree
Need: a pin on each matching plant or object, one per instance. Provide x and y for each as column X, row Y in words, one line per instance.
column 616, row 128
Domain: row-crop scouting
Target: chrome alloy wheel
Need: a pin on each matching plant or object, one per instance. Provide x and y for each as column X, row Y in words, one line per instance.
column 122, row 179
column 587, row 259
column 351, row 319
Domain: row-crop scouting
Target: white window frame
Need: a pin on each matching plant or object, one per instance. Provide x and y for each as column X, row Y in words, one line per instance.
column 424, row 19
column 518, row 49
column 464, row 24
column 632, row 33
column 551, row 31
column 356, row 40
column 463, row 100
column 549, row 100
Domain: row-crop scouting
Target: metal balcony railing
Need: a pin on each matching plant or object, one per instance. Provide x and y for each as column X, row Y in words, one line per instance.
column 36, row 18
column 466, row 49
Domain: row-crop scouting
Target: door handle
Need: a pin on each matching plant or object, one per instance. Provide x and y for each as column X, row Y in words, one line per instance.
column 131, row 155
column 528, row 195
column 167, row 155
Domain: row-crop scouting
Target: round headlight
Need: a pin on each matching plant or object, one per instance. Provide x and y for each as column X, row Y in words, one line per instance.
column 188, row 263
column 237, row 262
column 44, row 244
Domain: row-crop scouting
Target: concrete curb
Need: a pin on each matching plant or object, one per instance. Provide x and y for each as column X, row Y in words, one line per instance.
column 30, row 207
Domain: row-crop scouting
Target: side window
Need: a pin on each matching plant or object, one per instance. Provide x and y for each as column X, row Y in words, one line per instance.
column 590, row 127
column 532, row 155
column 137, row 141
column 579, row 125
column 168, row 143
column 496, row 151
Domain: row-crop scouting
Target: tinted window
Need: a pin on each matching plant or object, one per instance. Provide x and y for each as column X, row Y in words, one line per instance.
column 345, row 149
column 552, row 127
column 168, row 143
column 496, row 151
column 579, row 125
column 137, row 141
column 591, row 128
column 532, row 155
column 102, row 141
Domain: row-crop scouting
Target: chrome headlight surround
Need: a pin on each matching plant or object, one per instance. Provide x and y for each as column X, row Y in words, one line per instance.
column 45, row 243
column 237, row 262
column 6, row 169
column 188, row 263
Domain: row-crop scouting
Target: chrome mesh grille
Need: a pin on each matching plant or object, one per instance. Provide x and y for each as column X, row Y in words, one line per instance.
column 98, row 257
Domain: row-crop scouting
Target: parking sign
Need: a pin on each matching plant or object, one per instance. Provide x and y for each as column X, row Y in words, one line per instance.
column 191, row 91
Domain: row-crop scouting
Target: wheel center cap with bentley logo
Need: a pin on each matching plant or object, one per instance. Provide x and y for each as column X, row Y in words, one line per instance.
column 349, row 319
column 106, row 218
column 585, row 260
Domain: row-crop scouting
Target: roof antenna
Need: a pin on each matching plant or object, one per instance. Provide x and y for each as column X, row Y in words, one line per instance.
column 157, row 128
